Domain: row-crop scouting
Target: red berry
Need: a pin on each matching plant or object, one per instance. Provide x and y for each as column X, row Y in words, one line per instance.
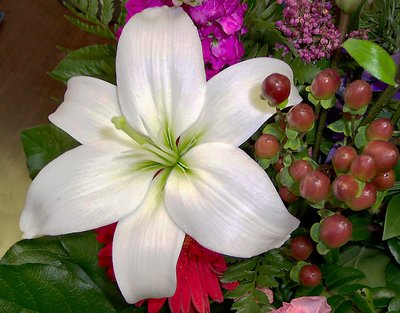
column 275, row 88
column 363, row 167
column 365, row 200
column 266, row 146
column 299, row 168
column 345, row 187
column 287, row 195
column 384, row 152
column 314, row 186
column 310, row 275
column 301, row 117
column 325, row 84
column 380, row 129
column 279, row 164
column 358, row 94
column 335, row 231
column 384, row 180
column 343, row 157
column 301, row 248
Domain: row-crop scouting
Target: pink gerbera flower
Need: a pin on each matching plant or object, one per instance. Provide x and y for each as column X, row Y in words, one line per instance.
column 199, row 271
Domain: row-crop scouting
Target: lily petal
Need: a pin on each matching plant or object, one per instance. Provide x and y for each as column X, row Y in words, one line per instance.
column 89, row 104
column 234, row 109
column 146, row 248
column 160, row 71
column 227, row 202
column 90, row 186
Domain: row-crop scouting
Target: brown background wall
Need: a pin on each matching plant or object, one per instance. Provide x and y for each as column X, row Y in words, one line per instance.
column 29, row 34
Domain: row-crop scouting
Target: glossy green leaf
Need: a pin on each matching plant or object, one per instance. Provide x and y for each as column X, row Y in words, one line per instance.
column 394, row 248
column 392, row 276
column 96, row 61
column 337, row 276
column 57, row 274
column 392, row 219
column 371, row 262
column 363, row 300
column 360, row 222
column 372, row 58
column 394, row 305
column 43, row 144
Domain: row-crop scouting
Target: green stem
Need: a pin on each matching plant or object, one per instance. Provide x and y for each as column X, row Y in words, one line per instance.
column 396, row 115
column 318, row 135
column 380, row 104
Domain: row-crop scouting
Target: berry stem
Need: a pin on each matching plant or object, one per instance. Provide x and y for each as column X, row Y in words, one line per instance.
column 318, row 135
column 385, row 97
column 343, row 27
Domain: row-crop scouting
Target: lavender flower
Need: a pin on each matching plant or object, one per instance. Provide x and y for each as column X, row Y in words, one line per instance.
column 309, row 25
column 219, row 22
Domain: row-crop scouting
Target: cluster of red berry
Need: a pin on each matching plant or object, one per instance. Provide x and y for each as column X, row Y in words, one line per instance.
column 350, row 180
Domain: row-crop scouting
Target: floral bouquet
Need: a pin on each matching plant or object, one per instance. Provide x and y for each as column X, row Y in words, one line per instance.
column 217, row 156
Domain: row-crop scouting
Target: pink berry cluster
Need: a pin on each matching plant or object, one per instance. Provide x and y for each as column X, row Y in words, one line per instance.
column 220, row 25
column 309, row 25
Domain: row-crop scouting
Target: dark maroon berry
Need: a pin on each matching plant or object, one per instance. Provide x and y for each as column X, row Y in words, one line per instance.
column 365, row 200
column 384, row 180
column 357, row 95
column 380, row 129
column 314, row 186
column 299, row 168
column 275, row 88
column 286, row 195
column 301, row 248
column 343, row 157
column 364, row 167
column 310, row 275
column 345, row 187
column 301, row 117
column 266, row 146
column 325, row 84
column 384, row 152
column 335, row 231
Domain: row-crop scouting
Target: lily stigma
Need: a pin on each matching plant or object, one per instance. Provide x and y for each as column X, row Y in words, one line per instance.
column 168, row 164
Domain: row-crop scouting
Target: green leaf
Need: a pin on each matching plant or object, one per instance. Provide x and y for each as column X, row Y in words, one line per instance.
column 337, row 276
column 394, row 248
column 275, row 130
column 392, row 219
column 369, row 261
column 98, row 30
column 394, row 305
column 107, row 10
column 285, row 178
column 293, row 144
column 363, row 300
column 304, row 73
column 239, row 271
column 361, row 140
column 96, row 61
column 49, row 288
column 57, row 274
column 372, row 58
column 43, row 144
column 360, row 222
column 328, row 103
column 341, row 126
column 291, row 133
column 392, row 276
column 246, row 305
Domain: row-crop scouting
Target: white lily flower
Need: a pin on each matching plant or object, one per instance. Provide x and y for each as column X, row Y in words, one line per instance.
column 172, row 167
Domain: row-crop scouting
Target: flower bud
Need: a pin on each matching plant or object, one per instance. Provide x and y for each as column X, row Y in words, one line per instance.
column 348, row 6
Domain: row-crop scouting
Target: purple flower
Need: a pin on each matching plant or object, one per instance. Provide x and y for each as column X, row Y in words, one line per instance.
column 309, row 26
column 219, row 22
column 378, row 85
